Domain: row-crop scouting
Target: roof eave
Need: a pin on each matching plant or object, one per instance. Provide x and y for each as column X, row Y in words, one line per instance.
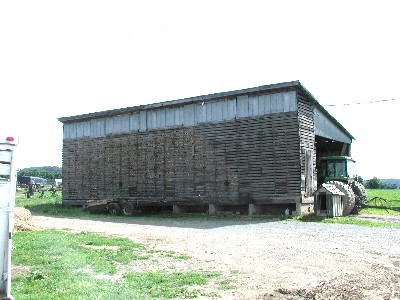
column 204, row 98
column 317, row 104
column 178, row 102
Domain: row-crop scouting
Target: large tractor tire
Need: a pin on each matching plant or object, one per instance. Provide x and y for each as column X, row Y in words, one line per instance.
column 361, row 196
column 349, row 198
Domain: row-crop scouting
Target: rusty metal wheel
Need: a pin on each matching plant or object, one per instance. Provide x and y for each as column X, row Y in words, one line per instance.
column 128, row 209
column 114, row 209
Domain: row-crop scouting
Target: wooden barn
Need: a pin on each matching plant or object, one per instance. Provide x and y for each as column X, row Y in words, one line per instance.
column 252, row 151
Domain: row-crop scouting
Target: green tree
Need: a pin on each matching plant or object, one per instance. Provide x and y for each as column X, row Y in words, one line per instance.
column 373, row 183
column 49, row 173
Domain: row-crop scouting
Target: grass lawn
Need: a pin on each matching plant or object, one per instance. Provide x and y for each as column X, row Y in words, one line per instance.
column 64, row 265
column 47, row 204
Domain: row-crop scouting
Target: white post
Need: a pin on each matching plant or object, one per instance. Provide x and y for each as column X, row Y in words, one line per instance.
column 8, row 181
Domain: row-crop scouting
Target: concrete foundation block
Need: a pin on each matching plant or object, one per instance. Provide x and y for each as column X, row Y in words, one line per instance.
column 303, row 208
column 177, row 209
column 255, row 209
column 212, row 209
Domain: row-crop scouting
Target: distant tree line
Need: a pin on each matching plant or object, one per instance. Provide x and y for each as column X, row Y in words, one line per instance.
column 376, row 183
column 49, row 173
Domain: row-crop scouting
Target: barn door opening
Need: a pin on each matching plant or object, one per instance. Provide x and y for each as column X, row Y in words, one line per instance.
column 309, row 172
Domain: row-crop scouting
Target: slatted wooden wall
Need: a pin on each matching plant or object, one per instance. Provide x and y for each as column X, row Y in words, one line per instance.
column 248, row 160
column 307, row 144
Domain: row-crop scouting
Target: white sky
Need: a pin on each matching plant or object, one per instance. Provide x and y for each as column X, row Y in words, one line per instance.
column 63, row 58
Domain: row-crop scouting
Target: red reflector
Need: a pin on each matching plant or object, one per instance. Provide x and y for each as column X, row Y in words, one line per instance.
column 10, row 139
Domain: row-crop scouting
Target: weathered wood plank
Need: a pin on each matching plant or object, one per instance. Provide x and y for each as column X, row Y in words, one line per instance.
column 233, row 161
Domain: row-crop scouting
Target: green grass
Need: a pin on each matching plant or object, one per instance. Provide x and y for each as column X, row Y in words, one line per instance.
column 64, row 265
column 171, row 254
column 393, row 202
column 344, row 220
column 158, row 285
column 48, row 204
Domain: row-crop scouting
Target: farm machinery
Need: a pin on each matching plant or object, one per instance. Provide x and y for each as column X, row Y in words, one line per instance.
column 339, row 171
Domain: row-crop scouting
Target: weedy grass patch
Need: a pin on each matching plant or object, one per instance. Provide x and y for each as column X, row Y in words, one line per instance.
column 65, row 265
column 344, row 220
column 159, row 285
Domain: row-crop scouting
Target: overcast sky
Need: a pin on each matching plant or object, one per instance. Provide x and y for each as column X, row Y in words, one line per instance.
column 63, row 58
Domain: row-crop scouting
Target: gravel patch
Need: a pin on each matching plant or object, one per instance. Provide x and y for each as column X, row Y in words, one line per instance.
column 270, row 259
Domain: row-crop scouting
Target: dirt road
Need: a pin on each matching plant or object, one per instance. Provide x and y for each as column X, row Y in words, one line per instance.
column 270, row 259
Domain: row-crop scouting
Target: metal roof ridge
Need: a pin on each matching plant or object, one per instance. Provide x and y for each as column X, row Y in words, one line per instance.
column 126, row 110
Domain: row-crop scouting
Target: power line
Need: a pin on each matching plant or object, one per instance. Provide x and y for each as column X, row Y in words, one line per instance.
column 362, row 103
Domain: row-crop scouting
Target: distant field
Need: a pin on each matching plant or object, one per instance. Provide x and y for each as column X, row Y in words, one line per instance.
column 388, row 198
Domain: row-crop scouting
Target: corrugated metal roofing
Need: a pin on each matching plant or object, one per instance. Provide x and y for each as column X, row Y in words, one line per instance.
column 272, row 88
column 330, row 188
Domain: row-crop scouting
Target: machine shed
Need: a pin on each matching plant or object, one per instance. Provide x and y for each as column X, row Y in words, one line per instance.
column 254, row 149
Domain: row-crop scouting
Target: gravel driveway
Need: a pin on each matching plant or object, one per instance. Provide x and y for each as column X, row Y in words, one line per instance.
column 270, row 259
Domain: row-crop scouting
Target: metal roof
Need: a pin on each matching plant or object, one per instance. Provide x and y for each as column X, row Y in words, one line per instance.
column 272, row 88
column 329, row 188
column 337, row 157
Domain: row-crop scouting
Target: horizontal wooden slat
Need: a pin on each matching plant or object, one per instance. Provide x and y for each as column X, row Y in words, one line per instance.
column 227, row 162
